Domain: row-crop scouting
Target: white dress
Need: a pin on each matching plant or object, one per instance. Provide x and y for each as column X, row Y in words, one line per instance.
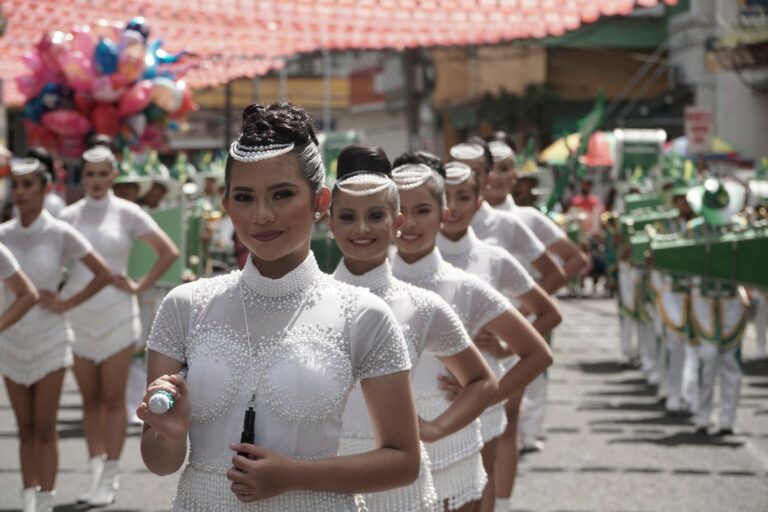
column 457, row 467
column 39, row 343
column 8, row 263
column 505, row 230
column 428, row 324
column 109, row 321
column 499, row 269
column 341, row 335
column 542, row 226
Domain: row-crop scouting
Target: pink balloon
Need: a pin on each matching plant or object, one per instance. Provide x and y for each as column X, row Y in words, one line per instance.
column 33, row 62
column 83, row 40
column 78, row 71
column 131, row 64
column 67, row 123
column 105, row 91
column 53, row 45
column 29, row 85
column 136, row 99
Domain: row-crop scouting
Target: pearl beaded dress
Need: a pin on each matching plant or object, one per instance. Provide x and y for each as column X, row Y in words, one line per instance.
column 41, row 342
column 343, row 334
column 457, row 466
column 428, row 324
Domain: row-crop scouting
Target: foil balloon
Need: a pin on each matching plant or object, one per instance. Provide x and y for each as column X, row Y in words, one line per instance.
column 52, row 45
column 83, row 102
column 55, row 96
column 136, row 99
column 29, row 85
column 39, row 135
column 105, row 57
column 104, row 90
column 105, row 120
column 131, row 64
column 108, row 29
column 166, row 94
column 83, row 40
column 67, row 122
column 78, row 71
column 137, row 123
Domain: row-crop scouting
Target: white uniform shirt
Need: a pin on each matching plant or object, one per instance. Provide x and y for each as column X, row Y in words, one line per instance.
column 503, row 229
column 341, row 335
column 476, row 304
column 40, row 342
column 8, row 263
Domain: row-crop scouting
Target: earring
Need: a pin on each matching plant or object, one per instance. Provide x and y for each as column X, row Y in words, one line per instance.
column 330, row 235
column 398, row 234
column 317, row 215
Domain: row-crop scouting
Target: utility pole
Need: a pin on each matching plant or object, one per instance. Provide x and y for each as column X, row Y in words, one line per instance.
column 412, row 100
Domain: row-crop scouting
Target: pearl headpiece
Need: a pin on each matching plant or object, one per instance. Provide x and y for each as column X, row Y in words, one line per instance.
column 410, row 176
column 500, row 151
column 457, row 173
column 246, row 154
column 99, row 154
column 467, row 151
column 22, row 166
column 364, row 183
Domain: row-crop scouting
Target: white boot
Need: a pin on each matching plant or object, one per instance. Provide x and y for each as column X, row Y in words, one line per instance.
column 108, row 484
column 502, row 505
column 44, row 501
column 29, row 499
column 96, row 465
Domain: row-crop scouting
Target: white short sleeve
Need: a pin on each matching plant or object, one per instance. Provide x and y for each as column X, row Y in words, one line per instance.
column 544, row 229
column 514, row 280
column 524, row 243
column 169, row 330
column 445, row 335
column 8, row 263
column 376, row 341
column 75, row 245
column 486, row 304
column 140, row 223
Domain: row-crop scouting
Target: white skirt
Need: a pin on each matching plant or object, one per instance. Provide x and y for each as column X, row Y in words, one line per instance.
column 493, row 422
column 460, row 483
column 38, row 344
column 420, row 496
column 105, row 324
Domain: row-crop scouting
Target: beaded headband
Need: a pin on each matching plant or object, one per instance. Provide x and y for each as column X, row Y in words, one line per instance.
column 364, row 183
column 23, row 166
column 99, row 154
column 467, row 151
column 410, row 176
column 500, row 151
column 457, row 173
column 246, row 154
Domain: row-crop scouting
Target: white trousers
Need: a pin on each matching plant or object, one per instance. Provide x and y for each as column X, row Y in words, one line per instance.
column 761, row 323
column 646, row 340
column 727, row 366
column 675, row 349
column 628, row 334
column 691, row 381
column 531, row 422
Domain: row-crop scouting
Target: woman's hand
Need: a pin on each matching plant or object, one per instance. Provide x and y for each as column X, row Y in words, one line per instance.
column 495, row 346
column 448, row 383
column 174, row 424
column 262, row 474
column 52, row 301
column 126, row 284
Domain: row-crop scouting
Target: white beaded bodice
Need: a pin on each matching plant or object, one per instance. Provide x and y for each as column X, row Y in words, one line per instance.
column 342, row 334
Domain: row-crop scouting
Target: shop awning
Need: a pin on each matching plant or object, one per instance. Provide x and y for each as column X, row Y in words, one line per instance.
column 244, row 38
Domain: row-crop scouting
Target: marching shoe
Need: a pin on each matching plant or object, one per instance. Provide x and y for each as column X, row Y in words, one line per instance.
column 96, row 465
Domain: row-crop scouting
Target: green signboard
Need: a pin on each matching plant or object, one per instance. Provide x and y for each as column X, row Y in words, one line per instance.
column 142, row 256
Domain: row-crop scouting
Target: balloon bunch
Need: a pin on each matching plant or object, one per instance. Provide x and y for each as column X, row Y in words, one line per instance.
column 103, row 79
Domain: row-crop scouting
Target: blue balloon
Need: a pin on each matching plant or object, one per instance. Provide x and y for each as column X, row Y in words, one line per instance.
column 33, row 109
column 55, row 96
column 105, row 57
column 139, row 24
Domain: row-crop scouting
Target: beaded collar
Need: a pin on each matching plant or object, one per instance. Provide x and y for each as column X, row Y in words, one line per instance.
column 461, row 246
column 426, row 267
column 299, row 279
column 101, row 202
column 374, row 280
column 37, row 225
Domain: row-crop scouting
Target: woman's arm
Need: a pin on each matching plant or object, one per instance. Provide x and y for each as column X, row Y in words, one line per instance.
column 541, row 305
column 552, row 274
column 478, row 389
column 167, row 252
column 394, row 463
column 26, row 296
column 101, row 278
column 574, row 260
column 523, row 340
column 164, row 438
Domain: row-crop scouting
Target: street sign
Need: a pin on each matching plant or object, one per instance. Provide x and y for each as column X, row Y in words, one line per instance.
column 699, row 126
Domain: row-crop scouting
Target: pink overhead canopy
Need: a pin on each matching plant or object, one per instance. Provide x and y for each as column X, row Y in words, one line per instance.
column 243, row 38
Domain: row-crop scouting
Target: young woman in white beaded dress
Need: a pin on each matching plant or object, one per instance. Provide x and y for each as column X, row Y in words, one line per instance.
column 277, row 347
column 36, row 350
column 365, row 215
column 493, row 265
column 108, row 325
column 457, row 464
column 23, row 294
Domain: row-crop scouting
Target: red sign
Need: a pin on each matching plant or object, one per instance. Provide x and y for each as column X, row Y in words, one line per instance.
column 698, row 129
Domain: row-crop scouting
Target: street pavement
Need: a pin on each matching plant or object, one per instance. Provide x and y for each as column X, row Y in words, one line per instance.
column 609, row 446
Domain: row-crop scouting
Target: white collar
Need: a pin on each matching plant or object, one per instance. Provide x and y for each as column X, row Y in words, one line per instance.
column 374, row 280
column 300, row 278
column 508, row 205
column 460, row 246
column 484, row 215
column 101, row 202
column 426, row 267
column 37, row 225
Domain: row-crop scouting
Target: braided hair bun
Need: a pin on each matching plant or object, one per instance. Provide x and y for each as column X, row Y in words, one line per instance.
column 277, row 123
